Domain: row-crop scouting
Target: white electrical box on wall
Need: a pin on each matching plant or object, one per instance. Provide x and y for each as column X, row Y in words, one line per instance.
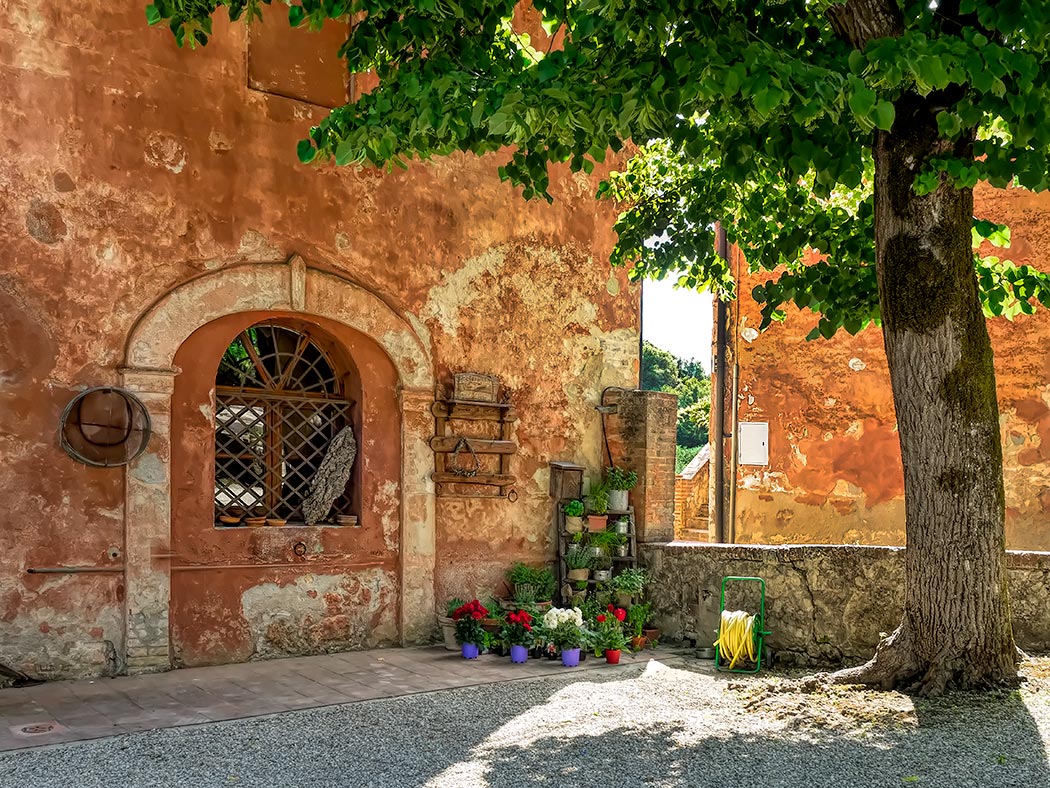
column 753, row 447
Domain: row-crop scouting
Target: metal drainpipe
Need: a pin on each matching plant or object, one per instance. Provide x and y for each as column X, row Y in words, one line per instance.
column 733, row 451
column 718, row 407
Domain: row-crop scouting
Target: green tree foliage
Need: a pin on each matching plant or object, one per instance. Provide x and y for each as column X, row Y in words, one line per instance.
column 685, row 378
column 683, row 455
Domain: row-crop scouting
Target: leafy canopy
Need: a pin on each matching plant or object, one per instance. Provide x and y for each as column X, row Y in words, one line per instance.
column 757, row 114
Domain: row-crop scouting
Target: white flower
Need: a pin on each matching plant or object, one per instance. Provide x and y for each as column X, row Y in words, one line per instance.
column 557, row 615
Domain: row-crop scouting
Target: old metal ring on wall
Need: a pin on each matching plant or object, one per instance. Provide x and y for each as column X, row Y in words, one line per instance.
column 105, row 427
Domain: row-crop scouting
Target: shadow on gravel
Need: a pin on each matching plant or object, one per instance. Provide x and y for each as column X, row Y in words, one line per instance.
column 960, row 742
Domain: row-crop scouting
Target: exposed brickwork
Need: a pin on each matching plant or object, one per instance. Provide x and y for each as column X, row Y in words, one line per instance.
column 691, row 496
column 641, row 437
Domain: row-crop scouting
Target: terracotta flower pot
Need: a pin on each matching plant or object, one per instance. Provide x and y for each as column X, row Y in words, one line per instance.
column 639, row 643
column 573, row 525
column 612, row 656
column 651, row 634
column 597, row 522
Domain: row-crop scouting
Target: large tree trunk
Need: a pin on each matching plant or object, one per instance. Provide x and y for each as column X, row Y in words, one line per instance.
column 956, row 627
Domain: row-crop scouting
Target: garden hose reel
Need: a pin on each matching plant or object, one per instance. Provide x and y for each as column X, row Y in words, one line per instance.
column 741, row 634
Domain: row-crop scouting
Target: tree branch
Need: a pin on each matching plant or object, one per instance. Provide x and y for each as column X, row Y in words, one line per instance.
column 859, row 21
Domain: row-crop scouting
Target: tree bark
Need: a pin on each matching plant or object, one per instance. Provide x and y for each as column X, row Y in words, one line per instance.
column 956, row 627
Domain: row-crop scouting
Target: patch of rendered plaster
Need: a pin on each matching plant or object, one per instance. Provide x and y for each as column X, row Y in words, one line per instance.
column 458, row 289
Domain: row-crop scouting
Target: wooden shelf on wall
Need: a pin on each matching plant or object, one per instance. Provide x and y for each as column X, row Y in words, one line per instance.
column 485, row 483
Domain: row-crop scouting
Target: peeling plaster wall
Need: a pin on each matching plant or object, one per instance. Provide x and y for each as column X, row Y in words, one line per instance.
column 835, row 472
column 132, row 167
column 825, row 604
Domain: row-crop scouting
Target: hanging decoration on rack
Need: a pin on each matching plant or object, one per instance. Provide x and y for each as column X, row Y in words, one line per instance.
column 460, row 470
column 481, row 425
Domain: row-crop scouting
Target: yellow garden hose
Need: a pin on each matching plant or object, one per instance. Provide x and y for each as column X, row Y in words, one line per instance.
column 736, row 636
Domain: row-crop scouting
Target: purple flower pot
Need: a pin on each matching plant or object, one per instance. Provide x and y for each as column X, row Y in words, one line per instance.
column 570, row 657
column 470, row 651
column 519, row 653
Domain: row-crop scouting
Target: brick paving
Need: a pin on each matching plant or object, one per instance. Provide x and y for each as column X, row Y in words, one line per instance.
column 67, row 711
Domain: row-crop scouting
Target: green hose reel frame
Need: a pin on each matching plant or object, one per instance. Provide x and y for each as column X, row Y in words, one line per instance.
column 758, row 631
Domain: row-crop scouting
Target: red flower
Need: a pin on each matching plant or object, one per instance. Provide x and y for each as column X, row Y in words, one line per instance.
column 476, row 615
column 620, row 614
column 528, row 627
column 601, row 618
column 611, row 607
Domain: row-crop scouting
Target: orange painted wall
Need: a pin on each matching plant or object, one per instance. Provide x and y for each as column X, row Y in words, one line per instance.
column 132, row 166
column 835, row 472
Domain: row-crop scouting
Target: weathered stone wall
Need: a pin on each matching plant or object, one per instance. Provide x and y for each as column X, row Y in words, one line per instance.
column 825, row 605
column 835, row 473
column 133, row 168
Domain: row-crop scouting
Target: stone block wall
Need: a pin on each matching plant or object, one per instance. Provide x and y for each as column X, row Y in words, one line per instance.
column 825, row 604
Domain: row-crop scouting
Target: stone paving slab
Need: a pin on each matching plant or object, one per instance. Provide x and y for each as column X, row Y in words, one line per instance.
column 68, row 711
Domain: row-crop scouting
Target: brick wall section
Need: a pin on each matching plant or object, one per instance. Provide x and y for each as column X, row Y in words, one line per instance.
column 825, row 604
column 641, row 437
column 691, row 510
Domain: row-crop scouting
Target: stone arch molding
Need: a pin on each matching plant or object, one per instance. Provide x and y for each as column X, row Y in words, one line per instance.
column 292, row 286
column 149, row 371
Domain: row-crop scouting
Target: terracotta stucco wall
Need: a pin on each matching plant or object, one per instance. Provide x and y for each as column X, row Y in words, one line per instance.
column 835, row 472
column 132, row 167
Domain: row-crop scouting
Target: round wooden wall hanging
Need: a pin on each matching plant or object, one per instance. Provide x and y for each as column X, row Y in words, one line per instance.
column 105, row 427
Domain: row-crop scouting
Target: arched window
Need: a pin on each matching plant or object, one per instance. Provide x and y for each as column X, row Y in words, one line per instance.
column 281, row 406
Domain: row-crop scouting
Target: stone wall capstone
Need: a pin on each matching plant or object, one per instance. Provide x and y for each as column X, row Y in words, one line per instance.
column 825, row 604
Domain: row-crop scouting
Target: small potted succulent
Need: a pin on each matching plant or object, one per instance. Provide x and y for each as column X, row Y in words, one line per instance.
column 637, row 615
column 603, row 569
column 598, row 508
column 564, row 628
column 470, row 633
column 517, row 635
column 448, row 625
column 573, row 511
column 610, row 640
column 619, row 481
column 629, row 583
column 578, row 561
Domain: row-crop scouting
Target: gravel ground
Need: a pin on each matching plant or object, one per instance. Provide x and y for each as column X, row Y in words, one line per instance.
column 657, row 726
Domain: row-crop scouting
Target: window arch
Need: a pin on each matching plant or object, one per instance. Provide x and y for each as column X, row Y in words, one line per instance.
column 280, row 401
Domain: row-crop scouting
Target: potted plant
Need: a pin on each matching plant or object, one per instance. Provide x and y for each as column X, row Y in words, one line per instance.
column 629, row 583
column 517, row 635
column 637, row 615
column 610, row 640
column 470, row 633
column 603, row 569
column 573, row 516
column 621, row 546
column 448, row 625
column 598, row 508
column 603, row 542
column 564, row 629
column 621, row 524
column 579, row 592
column 578, row 563
column 529, row 585
column 619, row 481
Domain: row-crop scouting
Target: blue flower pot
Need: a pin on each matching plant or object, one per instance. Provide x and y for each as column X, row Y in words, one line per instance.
column 470, row 650
column 570, row 657
column 519, row 653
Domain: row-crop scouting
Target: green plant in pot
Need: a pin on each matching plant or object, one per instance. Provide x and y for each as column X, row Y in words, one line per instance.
column 604, row 541
column 619, row 481
column 637, row 616
column 621, row 549
column 629, row 583
column 598, row 508
column 579, row 593
column 531, row 585
column 603, row 569
column 578, row 561
column 573, row 511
